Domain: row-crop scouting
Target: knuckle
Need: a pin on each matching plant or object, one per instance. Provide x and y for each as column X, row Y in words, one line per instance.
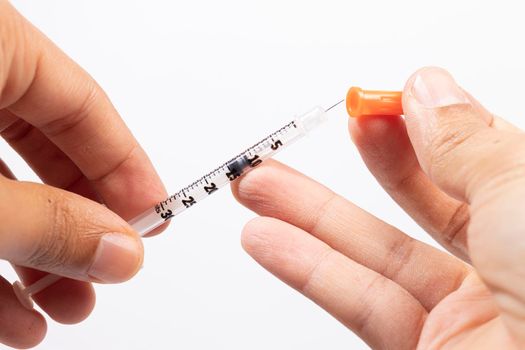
column 318, row 217
column 364, row 318
column 315, row 276
column 401, row 254
column 65, row 122
column 445, row 143
column 17, row 132
column 450, row 125
column 455, row 231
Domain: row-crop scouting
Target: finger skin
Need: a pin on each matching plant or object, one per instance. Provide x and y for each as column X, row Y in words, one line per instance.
column 386, row 150
column 59, row 232
column 461, row 315
column 275, row 190
column 19, row 327
column 67, row 301
column 5, row 171
column 64, row 126
column 463, row 154
column 453, row 142
column 42, row 86
column 39, row 153
column 381, row 312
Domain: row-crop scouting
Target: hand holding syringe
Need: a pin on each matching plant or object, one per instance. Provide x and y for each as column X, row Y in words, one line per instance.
column 358, row 103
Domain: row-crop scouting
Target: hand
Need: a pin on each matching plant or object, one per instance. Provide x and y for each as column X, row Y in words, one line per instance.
column 460, row 173
column 57, row 118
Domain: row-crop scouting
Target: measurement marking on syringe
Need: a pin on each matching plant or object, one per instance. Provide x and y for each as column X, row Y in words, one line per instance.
column 239, row 165
column 167, row 209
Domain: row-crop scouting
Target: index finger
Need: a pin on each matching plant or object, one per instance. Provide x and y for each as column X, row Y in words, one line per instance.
column 43, row 86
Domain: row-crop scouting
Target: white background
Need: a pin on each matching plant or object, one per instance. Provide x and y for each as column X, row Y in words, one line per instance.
column 198, row 81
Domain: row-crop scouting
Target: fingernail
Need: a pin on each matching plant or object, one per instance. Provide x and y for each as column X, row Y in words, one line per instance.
column 435, row 87
column 117, row 258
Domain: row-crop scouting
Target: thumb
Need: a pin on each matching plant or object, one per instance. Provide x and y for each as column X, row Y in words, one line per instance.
column 480, row 160
column 454, row 137
column 62, row 233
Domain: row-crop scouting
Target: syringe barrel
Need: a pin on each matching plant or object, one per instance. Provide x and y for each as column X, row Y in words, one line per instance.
column 203, row 187
column 229, row 171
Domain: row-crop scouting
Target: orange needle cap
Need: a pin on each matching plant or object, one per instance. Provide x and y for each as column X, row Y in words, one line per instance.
column 367, row 102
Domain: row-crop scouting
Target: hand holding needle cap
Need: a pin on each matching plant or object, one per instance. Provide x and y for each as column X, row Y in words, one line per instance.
column 359, row 103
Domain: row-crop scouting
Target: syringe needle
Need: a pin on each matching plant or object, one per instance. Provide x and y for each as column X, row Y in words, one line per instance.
column 335, row 105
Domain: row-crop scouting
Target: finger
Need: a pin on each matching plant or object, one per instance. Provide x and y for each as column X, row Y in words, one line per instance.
column 277, row 191
column 503, row 125
column 49, row 91
column 62, row 233
column 19, row 327
column 484, row 166
column 51, row 164
column 452, row 137
column 5, row 171
column 386, row 149
column 378, row 310
column 67, row 301
column 6, row 119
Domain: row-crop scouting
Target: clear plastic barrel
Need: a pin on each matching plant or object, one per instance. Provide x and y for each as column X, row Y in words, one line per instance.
column 228, row 172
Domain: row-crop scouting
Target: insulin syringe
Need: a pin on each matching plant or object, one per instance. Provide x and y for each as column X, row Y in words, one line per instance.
column 229, row 171
column 204, row 186
column 358, row 102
